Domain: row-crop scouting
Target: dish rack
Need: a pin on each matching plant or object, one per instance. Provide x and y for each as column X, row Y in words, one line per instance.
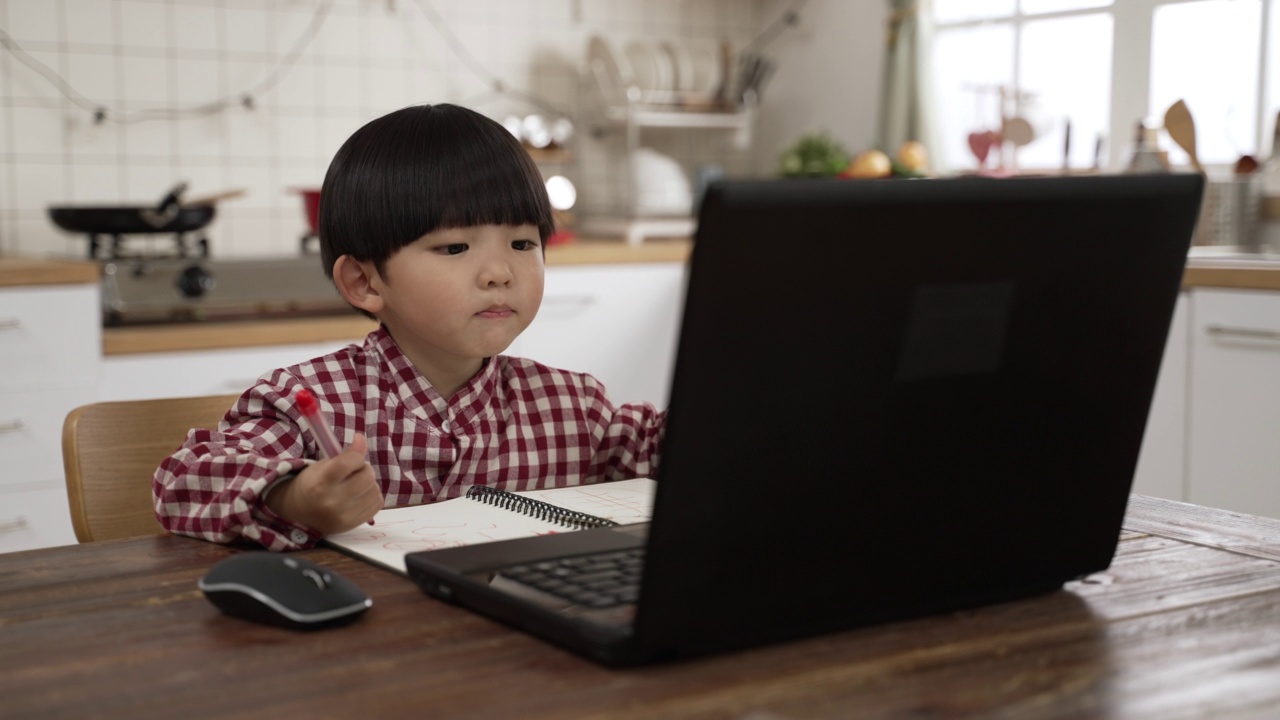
column 1229, row 214
column 643, row 84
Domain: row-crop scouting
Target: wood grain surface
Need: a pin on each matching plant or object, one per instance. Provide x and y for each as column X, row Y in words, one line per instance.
column 1185, row 623
column 18, row 272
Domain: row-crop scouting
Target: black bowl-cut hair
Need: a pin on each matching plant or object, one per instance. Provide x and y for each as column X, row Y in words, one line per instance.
column 425, row 168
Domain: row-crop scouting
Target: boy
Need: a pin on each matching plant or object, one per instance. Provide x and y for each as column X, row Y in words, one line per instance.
column 433, row 221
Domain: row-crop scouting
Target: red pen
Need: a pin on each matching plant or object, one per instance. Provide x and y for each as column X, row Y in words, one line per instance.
column 310, row 409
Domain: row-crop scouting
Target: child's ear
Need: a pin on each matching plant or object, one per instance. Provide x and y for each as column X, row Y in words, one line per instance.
column 358, row 281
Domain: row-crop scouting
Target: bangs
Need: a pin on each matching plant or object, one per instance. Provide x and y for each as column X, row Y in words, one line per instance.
column 421, row 169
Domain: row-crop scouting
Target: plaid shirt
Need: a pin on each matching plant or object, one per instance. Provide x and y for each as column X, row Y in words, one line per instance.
column 516, row 425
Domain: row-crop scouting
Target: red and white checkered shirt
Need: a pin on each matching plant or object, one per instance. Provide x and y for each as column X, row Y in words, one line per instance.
column 517, row 425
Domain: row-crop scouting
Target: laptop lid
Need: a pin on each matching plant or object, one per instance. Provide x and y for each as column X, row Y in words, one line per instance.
column 891, row 398
column 894, row 398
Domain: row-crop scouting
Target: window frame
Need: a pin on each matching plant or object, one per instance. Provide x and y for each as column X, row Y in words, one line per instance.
column 1132, row 22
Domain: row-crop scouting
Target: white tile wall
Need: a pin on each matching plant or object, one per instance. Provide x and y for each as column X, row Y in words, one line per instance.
column 368, row 58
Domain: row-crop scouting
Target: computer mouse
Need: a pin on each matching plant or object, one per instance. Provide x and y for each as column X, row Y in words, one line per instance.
column 278, row 589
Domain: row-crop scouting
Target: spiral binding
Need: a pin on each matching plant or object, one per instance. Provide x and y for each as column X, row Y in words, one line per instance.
column 537, row 508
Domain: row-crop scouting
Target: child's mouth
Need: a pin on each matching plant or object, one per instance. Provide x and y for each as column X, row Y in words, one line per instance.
column 496, row 312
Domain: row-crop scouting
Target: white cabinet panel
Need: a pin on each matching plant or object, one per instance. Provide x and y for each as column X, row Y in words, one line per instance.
column 35, row 519
column 618, row 323
column 31, row 433
column 1234, row 402
column 50, row 348
column 199, row 372
column 48, row 334
column 1161, row 466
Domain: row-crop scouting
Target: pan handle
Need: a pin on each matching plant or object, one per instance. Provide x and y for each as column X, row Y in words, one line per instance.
column 167, row 210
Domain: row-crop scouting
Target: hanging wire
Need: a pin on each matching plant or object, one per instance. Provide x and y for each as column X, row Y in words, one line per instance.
column 497, row 87
column 242, row 99
column 766, row 36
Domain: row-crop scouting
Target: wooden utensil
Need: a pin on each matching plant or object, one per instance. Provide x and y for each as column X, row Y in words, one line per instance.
column 1180, row 126
column 215, row 198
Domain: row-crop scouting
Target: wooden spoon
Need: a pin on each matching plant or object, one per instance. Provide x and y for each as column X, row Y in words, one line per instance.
column 1180, row 126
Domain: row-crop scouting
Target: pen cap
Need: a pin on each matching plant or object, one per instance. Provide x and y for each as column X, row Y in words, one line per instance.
column 307, row 402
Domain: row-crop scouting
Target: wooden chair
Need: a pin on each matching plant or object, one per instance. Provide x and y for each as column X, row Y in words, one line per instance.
column 110, row 451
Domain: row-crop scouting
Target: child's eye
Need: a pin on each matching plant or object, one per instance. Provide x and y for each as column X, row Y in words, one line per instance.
column 524, row 244
column 453, row 248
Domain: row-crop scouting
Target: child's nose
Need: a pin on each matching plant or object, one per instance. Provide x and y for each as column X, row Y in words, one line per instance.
column 496, row 273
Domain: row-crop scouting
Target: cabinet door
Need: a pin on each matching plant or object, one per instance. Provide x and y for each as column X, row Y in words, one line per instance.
column 38, row 518
column 1161, row 467
column 49, row 335
column 616, row 322
column 199, row 372
column 1234, row 402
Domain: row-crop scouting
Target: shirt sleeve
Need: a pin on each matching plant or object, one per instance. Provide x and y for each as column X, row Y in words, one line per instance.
column 213, row 486
column 627, row 438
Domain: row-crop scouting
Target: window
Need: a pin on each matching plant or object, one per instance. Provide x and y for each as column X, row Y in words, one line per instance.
column 1099, row 67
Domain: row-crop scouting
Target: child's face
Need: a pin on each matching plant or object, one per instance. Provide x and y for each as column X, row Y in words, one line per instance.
column 458, row 295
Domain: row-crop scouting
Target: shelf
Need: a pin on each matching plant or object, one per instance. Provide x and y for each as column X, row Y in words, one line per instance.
column 550, row 156
column 660, row 116
column 635, row 230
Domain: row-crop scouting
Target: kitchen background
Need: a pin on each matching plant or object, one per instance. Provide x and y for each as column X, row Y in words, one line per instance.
column 258, row 95
column 138, row 95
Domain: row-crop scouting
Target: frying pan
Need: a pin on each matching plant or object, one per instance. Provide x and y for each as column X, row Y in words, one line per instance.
column 171, row 215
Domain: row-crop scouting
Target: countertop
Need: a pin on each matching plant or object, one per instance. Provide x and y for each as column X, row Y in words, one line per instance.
column 19, row 271
column 1206, row 267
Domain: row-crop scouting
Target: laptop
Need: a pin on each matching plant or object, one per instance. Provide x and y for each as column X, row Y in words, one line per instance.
column 891, row 399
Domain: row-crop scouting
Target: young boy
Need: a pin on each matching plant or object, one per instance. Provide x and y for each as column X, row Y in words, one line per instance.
column 433, row 221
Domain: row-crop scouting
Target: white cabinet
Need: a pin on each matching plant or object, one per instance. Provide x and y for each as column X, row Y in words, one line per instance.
column 1233, row 459
column 1161, row 465
column 200, row 372
column 616, row 322
column 50, row 348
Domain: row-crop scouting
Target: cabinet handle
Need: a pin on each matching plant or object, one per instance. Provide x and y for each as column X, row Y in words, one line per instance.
column 1239, row 332
column 13, row 525
column 11, row 426
column 10, row 323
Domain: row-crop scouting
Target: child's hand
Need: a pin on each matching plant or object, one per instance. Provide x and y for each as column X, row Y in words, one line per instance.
column 332, row 495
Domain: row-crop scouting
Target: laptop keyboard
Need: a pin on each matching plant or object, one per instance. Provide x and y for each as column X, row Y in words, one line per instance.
column 596, row 581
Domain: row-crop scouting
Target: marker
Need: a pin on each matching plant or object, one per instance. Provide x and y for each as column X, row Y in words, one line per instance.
column 310, row 409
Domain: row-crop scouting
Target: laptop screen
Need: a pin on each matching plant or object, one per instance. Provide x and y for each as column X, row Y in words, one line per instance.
column 903, row 396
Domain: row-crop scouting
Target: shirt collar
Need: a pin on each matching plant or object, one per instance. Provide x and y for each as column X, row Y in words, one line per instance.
column 418, row 395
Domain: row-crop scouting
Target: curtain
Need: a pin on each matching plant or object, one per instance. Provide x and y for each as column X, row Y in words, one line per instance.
column 906, row 103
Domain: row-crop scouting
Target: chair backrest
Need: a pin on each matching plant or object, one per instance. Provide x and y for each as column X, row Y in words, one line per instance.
column 110, row 451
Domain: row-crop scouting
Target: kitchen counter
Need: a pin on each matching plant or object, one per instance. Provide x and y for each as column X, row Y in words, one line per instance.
column 1205, row 268
column 1224, row 270
column 290, row 331
column 22, row 272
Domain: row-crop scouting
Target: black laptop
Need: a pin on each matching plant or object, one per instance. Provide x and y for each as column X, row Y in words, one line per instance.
column 891, row 398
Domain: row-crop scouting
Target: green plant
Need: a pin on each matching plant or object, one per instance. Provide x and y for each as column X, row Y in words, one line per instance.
column 815, row 154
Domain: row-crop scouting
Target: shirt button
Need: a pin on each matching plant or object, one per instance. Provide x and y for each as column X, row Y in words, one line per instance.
column 299, row 537
column 445, row 427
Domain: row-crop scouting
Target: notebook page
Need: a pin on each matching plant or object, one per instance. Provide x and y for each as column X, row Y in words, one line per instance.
column 623, row 501
column 463, row 521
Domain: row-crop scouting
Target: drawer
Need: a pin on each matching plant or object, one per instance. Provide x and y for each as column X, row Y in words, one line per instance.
column 201, row 372
column 34, row 519
column 31, row 433
column 49, row 335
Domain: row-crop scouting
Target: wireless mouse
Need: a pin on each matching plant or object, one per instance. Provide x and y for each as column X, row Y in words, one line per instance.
column 278, row 589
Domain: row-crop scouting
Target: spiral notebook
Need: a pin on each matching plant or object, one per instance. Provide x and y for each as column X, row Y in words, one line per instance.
column 486, row 514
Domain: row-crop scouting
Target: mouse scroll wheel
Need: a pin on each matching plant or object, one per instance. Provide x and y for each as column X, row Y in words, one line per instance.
column 321, row 581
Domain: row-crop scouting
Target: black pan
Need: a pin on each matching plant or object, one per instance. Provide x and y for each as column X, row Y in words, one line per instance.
column 131, row 219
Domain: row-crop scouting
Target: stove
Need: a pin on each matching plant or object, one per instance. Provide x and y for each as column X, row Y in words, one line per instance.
column 140, row 290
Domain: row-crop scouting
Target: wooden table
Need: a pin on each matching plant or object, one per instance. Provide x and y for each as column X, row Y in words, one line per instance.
column 1186, row 623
